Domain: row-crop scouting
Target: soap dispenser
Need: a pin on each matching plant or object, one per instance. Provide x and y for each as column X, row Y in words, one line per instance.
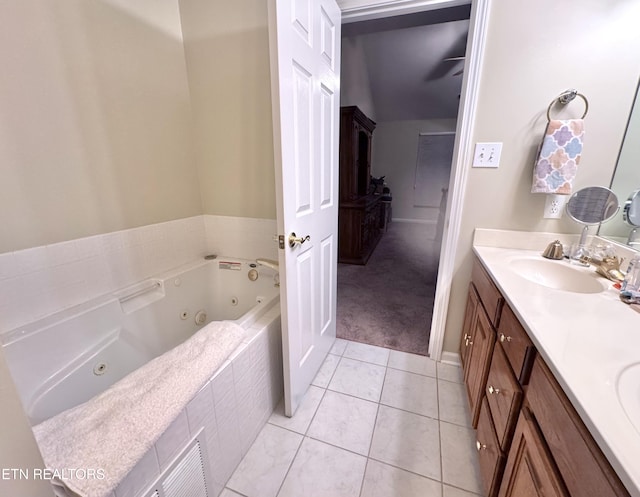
column 554, row 251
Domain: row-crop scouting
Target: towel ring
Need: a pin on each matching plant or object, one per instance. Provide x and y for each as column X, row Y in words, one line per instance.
column 564, row 98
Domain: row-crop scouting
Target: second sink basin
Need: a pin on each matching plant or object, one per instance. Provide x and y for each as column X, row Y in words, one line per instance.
column 559, row 275
column 629, row 394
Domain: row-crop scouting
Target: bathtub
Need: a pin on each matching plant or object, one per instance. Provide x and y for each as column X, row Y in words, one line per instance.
column 66, row 359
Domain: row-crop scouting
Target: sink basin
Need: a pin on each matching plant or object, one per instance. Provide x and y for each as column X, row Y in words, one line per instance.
column 629, row 394
column 559, row 275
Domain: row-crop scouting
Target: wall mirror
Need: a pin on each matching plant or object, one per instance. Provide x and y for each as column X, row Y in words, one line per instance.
column 626, row 182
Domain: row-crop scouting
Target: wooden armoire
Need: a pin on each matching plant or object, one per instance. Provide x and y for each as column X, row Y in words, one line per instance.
column 360, row 211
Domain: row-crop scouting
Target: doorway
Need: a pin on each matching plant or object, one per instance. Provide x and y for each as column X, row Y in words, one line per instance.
column 406, row 72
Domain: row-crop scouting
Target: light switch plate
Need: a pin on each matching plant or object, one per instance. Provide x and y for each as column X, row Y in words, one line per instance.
column 487, row 155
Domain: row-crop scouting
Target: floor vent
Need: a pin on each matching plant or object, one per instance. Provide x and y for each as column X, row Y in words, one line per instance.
column 187, row 476
column 187, row 479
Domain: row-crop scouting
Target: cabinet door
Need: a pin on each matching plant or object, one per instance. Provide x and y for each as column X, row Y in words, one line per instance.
column 504, row 396
column 490, row 455
column 584, row 468
column 467, row 328
column 483, row 338
column 530, row 470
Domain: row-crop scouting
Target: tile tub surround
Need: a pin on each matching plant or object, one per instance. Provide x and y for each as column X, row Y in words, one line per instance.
column 587, row 340
column 232, row 408
column 40, row 281
column 367, row 443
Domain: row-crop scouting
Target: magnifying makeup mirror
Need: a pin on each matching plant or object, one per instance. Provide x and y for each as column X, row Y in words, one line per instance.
column 590, row 206
column 631, row 215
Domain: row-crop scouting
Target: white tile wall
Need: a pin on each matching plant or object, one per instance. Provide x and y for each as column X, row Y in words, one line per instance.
column 39, row 281
column 140, row 477
column 246, row 238
column 172, row 440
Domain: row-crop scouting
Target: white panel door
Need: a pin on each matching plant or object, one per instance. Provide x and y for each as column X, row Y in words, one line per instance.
column 305, row 82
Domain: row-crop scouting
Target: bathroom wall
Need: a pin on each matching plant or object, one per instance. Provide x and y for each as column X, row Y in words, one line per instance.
column 395, row 152
column 95, row 119
column 534, row 51
column 226, row 46
column 96, row 137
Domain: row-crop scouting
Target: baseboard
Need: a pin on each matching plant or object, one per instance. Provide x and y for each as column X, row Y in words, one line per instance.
column 416, row 221
column 450, row 358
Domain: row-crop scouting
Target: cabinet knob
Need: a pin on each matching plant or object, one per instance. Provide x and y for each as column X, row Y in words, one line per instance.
column 480, row 446
column 467, row 342
column 493, row 390
column 504, row 338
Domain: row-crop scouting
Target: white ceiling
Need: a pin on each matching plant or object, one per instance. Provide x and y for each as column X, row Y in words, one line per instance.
column 403, row 59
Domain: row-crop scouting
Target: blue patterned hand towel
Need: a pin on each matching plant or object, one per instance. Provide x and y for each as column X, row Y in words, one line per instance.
column 559, row 157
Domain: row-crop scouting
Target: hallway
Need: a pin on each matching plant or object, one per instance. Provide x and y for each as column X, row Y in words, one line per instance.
column 389, row 301
column 374, row 423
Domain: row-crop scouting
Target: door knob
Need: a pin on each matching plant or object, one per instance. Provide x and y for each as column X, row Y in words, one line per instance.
column 293, row 239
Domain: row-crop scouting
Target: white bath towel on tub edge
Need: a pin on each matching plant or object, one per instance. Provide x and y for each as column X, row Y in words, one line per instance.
column 115, row 429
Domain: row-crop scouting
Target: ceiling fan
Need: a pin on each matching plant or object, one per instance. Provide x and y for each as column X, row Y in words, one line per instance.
column 455, row 59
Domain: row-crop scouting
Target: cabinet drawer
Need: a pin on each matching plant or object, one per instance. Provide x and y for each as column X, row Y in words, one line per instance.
column 489, row 295
column 584, row 469
column 504, row 396
column 516, row 344
column 490, row 455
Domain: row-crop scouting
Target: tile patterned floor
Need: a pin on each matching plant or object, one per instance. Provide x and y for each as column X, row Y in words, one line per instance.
column 374, row 423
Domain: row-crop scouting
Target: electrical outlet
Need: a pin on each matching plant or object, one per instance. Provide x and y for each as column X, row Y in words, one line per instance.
column 554, row 206
column 487, row 155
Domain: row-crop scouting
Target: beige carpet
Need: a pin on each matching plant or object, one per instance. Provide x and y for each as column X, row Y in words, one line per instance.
column 389, row 302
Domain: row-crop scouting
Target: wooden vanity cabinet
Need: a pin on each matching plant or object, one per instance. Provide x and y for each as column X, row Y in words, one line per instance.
column 530, row 440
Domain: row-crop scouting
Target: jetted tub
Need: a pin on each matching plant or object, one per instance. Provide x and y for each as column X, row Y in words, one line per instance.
column 67, row 358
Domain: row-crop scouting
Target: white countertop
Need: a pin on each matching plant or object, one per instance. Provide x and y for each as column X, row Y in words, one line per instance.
column 587, row 340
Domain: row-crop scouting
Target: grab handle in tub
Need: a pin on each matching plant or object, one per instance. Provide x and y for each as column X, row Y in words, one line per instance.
column 142, row 291
column 270, row 263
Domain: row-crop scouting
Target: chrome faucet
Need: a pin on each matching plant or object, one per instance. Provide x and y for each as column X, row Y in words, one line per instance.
column 609, row 267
